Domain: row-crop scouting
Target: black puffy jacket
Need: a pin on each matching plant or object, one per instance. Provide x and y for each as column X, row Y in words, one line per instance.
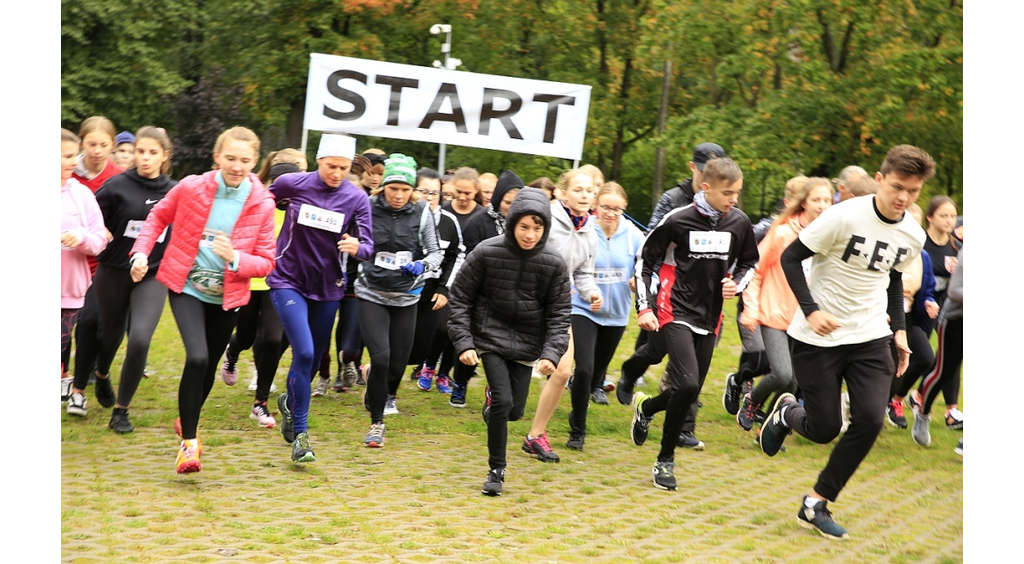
column 509, row 301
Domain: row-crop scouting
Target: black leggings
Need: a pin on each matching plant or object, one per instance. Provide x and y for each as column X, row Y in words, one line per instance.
column 387, row 332
column 595, row 347
column 87, row 339
column 122, row 301
column 652, row 352
column 947, row 364
column 347, row 338
column 510, row 386
column 67, row 325
column 260, row 328
column 922, row 360
column 205, row 330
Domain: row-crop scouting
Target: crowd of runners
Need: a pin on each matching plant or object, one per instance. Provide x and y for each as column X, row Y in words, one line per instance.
column 451, row 272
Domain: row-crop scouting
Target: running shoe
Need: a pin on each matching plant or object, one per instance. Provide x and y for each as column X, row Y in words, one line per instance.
column 177, row 431
column 624, row 391
column 494, row 482
column 119, row 421
column 915, row 401
column 425, row 379
column 301, row 451
column 188, row 457
column 321, row 387
column 339, row 384
column 288, row 427
column 687, row 440
column 375, row 438
column 894, row 414
column 229, row 369
column 731, row 395
column 261, row 414
column 641, row 382
column 540, row 447
column 391, row 406
column 954, row 419
column 608, row 386
column 774, row 432
column 105, row 392
column 444, row 385
column 575, row 441
column 348, row 376
column 922, row 434
column 253, row 382
column 745, row 417
column 819, row 518
column 599, row 397
column 959, row 448
column 664, row 475
column 77, row 404
column 362, row 374
column 486, row 411
column 458, row 398
column 65, row 388
column 641, row 424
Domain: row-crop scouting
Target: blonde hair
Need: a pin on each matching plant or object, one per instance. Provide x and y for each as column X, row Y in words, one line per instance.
column 238, row 133
column 466, row 173
column 594, row 173
column 100, row 124
column 795, row 205
column 67, row 136
column 612, row 187
column 290, row 156
column 793, row 186
column 569, row 175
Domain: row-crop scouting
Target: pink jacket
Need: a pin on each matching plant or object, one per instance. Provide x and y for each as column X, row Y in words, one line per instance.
column 187, row 206
column 79, row 214
column 768, row 300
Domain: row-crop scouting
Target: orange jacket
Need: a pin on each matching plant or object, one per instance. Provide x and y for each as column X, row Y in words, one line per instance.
column 768, row 299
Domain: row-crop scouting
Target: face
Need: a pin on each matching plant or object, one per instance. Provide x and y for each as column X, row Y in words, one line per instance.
column 68, row 159
column 610, row 208
column 944, row 218
column 486, row 191
column 506, row 201
column 371, row 178
column 397, row 194
column 124, row 155
column 447, row 192
column 333, row 170
column 528, row 232
column 723, row 196
column 430, row 190
column 235, row 161
column 97, row 147
column 896, row 193
column 817, row 201
column 465, row 192
column 579, row 194
column 149, row 157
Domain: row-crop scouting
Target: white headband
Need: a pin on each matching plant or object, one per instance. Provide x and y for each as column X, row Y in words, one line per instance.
column 335, row 145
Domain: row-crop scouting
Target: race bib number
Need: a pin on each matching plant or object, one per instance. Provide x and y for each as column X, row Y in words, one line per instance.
column 134, row 227
column 206, row 241
column 393, row 261
column 610, row 275
column 319, row 218
column 710, row 241
column 444, row 244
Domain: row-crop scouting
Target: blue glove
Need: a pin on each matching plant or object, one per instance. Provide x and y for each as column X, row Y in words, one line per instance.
column 414, row 268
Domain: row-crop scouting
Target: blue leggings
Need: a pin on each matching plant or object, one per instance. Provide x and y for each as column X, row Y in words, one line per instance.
column 308, row 324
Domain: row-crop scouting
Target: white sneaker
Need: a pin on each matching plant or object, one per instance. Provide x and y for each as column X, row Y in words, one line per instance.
column 252, row 384
column 65, row 389
column 922, row 434
column 321, row 387
column 390, row 407
column 76, row 405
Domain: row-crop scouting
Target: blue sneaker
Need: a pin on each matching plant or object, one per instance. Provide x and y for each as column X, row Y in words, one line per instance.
column 819, row 518
column 458, row 398
column 426, row 379
column 773, row 432
column 444, row 385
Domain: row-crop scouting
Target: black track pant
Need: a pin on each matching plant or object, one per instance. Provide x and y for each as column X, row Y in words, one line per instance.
column 652, row 352
column 510, row 386
column 122, row 301
column 387, row 332
column 820, row 371
column 595, row 347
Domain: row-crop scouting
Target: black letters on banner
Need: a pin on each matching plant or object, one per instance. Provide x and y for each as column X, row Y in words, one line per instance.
column 487, row 111
column 346, row 95
column 449, row 91
column 397, row 84
column 553, row 101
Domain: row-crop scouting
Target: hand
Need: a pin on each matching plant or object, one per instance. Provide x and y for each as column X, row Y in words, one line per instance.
column 139, row 269
column 823, row 323
column 596, row 301
column 902, row 351
column 728, row 288
column 545, row 367
column 648, row 321
column 348, row 244
column 69, row 239
column 469, row 358
column 440, row 300
column 748, row 323
column 932, row 309
column 414, row 268
column 222, row 247
column 109, row 235
column 632, row 284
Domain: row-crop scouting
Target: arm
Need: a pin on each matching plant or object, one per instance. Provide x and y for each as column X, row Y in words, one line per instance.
column 432, row 253
column 448, row 232
column 364, row 226
column 790, row 261
column 260, row 262
column 897, row 319
column 746, row 259
column 92, row 239
column 584, row 274
column 751, row 315
column 159, row 217
column 664, row 206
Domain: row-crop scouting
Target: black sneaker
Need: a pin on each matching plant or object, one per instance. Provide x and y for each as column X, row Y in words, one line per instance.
column 458, row 398
column 894, row 414
column 540, row 447
column 687, row 440
column 731, row 395
column 664, row 475
column 641, row 423
column 287, row 425
column 105, row 392
column 494, row 481
column 487, row 404
column 747, row 414
column 119, row 421
column 575, row 441
column 599, row 397
column 819, row 518
column 624, row 391
column 773, row 432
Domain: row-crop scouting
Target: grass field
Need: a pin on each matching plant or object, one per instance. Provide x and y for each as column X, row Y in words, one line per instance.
column 418, row 499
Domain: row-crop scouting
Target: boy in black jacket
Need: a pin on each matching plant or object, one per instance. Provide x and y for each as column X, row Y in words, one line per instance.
column 510, row 309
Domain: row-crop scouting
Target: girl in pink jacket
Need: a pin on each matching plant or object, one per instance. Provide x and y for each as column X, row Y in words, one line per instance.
column 82, row 235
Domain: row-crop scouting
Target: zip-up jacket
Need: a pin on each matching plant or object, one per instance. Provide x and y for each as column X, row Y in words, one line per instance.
column 578, row 248
column 449, row 238
column 80, row 215
column 188, row 206
column 613, row 268
column 126, row 201
column 768, row 300
column 511, row 301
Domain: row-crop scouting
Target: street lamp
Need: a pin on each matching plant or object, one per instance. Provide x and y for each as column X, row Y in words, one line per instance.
column 450, row 63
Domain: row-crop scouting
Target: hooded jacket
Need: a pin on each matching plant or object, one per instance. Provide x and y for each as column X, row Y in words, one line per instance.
column 80, row 215
column 578, row 248
column 613, row 268
column 511, row 301
column 486, row 225
column 126, row 201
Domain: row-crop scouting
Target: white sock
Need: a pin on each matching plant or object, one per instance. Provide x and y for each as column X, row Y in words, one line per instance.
column 811, row 501
column 782, row 419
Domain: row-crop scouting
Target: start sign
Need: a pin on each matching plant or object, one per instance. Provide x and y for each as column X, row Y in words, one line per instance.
column 416, row 103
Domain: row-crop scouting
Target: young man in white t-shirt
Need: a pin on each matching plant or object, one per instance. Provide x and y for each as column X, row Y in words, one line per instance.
column 846, row 321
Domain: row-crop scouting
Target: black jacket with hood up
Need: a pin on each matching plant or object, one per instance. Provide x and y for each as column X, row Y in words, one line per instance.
column 484, row 226
column 509, row 301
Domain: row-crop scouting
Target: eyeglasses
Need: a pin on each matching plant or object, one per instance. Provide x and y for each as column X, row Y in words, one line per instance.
column 611, row 210
column 429, row 193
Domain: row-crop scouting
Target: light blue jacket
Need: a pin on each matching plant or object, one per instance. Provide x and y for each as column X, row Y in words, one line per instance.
column 613, row 268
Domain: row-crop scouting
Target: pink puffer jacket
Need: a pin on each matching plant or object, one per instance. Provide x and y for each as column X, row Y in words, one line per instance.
column 187, row 206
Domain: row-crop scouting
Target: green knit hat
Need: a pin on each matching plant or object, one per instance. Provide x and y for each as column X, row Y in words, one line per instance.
column 399, row 168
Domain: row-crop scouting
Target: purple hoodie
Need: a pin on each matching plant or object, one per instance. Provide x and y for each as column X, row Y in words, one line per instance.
column 308, row 260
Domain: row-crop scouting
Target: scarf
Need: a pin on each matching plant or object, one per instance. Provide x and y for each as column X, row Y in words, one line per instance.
column 577, row 220
column 700, row 200
column 499, row 220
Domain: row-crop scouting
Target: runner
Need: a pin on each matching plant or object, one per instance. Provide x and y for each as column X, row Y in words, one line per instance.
column 841, row 330
column 206, row 270
column 124, row 150
column 510, row 310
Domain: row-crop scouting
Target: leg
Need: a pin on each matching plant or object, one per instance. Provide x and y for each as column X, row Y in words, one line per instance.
column 268, row 354
column 689, row 357
column 585, row 342
column 818, row 372
column 949, row 358
column 497, row 373
column 189, row 315
column 400, row 336
column 147, row 306
column 293, row 310
column 375, row 327
column 87, row 340
column 552, row 392
column 780, row 379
